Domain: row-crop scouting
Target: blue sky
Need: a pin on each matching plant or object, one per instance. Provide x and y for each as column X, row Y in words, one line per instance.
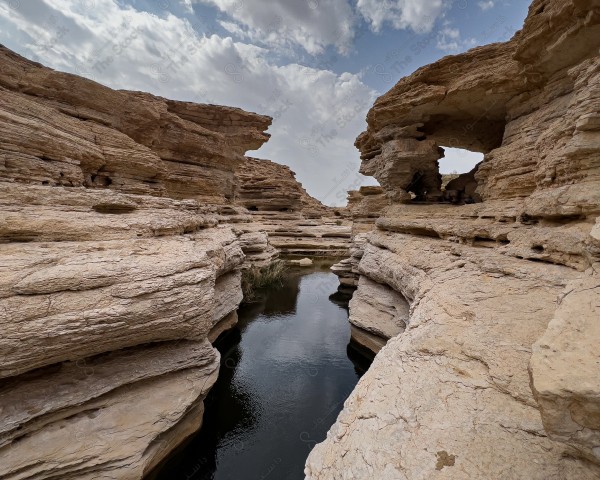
column 316, row 66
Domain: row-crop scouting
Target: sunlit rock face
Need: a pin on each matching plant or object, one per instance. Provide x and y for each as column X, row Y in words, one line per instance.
column 115, row 271
column 528, row 105
column 495, row 373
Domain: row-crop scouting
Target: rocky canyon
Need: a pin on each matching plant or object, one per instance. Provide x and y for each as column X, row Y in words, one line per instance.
column 127, row 221
column 116, row 269
column 124, row 230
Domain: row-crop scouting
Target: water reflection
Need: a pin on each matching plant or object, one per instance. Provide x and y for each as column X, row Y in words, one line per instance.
column 342, row 296
column 285, row 373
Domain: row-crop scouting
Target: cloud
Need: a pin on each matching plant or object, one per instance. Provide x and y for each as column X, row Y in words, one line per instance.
column 312, row 24
column 316, row 24
column 317, row 113
column 417, row 15
column 486, row 5
column 449, row 40
column 187, row 5
column 457, row 160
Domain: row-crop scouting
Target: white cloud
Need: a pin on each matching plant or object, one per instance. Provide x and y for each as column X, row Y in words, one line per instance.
column 486, row 5
column 317, row 113
column 317, row 24
column 457, row 160
column 187, row 4
column 451, row 32
column 449, row 40
column 418, row 15
column 312, row 24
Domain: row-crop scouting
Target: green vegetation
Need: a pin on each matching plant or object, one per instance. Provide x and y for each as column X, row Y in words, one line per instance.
column 255, row 278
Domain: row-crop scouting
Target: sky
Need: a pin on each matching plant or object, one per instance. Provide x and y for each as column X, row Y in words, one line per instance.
column 315, row 66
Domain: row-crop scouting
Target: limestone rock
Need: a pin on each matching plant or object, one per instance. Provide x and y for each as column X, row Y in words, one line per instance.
column 119, row 413
column 104, row 296
column 293, row 234
column 461, row 361
column 365, row 205
column 564, row 368
column 90, row 320
column 527, row 106
column 257, row 248
column 304, row 262
column 367, row 202
column 60, row 129
column 295, row 223
column 269, row 186
column 495, row 374
column 347, row 269
column 115, row 272
column 378, row 309
column 222, row 326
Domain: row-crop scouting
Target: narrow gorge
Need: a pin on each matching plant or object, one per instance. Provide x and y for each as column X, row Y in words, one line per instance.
column 124, row 235
column 128, row 223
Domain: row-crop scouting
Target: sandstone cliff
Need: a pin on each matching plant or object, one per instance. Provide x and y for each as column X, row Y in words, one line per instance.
column 296, row 223
column 365, row 206
column 269, row 186
column 488, row 310
column 64, row 130
column 115, row 272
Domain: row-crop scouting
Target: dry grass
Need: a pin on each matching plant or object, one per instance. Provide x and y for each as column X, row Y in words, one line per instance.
column 447, row 178
column 255, row 278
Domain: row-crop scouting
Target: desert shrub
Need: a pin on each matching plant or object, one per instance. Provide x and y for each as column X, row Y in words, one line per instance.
column 338, row 222
column 255, row 278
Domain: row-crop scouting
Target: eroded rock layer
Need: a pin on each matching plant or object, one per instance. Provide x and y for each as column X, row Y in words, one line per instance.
column 115, row 273
column 296, row 235
column 486, row 302
column 269, row 186
column 365, row 206
column 295, row 223
column 64, row 130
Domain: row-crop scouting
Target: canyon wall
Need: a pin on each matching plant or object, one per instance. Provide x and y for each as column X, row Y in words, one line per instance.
column 116, row 270
column 296, row 223
column 266, row 186
column 484, row 305
column 64, row 130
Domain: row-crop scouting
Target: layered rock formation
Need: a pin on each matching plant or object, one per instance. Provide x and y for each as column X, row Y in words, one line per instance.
column 488, row 310
column 115, row 272
column 63, row 130
column 296, row 223
column 267, row 186
column 295, row 235
column 365, row 206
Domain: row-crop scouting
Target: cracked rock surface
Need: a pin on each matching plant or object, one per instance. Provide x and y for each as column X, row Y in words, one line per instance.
column 117, row 269
column 495, row 374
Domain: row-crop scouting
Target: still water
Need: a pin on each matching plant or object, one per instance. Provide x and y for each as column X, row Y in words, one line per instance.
column 286, row 370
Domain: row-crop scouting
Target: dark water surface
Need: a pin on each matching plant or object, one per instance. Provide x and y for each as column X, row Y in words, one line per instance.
column 285, row 373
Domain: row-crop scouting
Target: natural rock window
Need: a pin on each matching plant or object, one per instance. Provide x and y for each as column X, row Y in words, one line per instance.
column 460, row 188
